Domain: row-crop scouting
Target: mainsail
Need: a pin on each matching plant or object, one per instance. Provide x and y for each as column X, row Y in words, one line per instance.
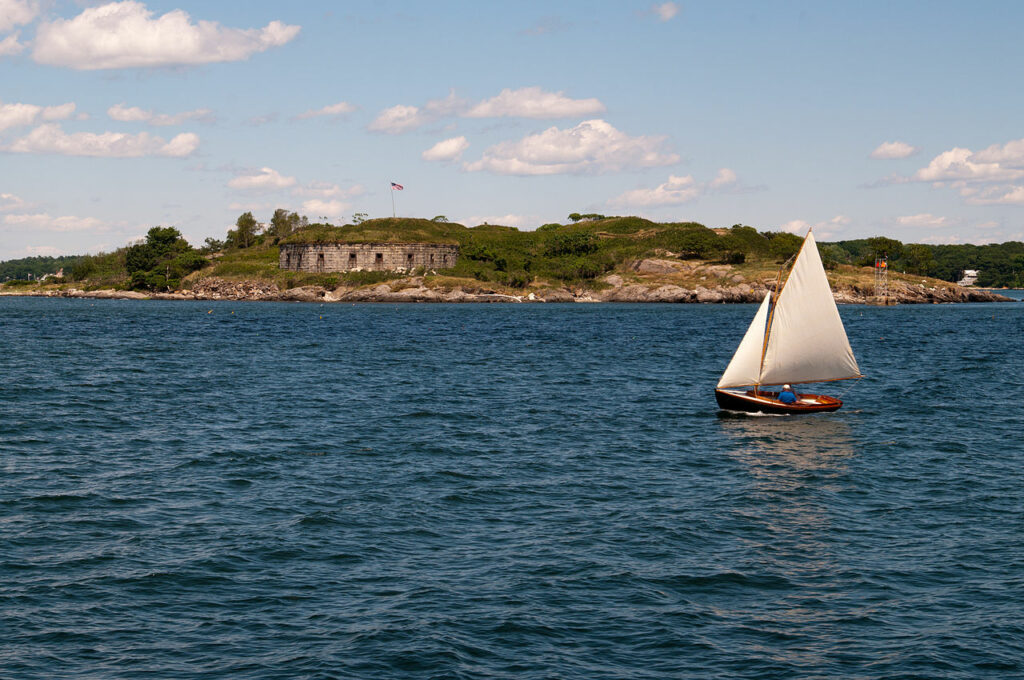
column 800, row 338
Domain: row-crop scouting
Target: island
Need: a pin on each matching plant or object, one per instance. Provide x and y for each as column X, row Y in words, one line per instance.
column 591, row 258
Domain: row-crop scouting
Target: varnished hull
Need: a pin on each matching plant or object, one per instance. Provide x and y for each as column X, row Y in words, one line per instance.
column 767, row 402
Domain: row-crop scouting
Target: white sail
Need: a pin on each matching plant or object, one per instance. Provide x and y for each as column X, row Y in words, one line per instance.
column 806, row 338
column 745, row 367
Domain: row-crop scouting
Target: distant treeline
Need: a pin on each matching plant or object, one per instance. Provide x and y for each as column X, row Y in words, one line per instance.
column 1001, row 265
column 35, row 267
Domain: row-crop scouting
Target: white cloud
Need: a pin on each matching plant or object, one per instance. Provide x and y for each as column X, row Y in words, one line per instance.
column 44, row 251
column 922, row 220
column 446, row 150
column 893, row 150
column 10, row 46
column 1009, row 154
column 510, row 220
column 128, row 115
column 449, row 106
column 251, row 207
column 9, row 202
column 43, row 222
column 593, row 146
column 400, row 119
column 266, row 178
column 665, row 11
column 328, row 190
column 50, row 138
column 62, row 112
column 533, row 102
column 180, row 145
column 126, row 35
column 19, row 115
column 134, row 114
column 824, row 229
column 991, row 176
column 15, row 13
column 526, row 102
column 339, row 109
column 960, row 164
column 996, row 195
column 397, row 119
column 724, row 179
column 678, row 190
column 942, row 240
column 673, row 192
column 318, row 207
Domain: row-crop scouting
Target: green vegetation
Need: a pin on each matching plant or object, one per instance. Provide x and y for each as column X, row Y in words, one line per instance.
column 1001, row 265
column 577, row 253
column 32, row 268
column 159, row 263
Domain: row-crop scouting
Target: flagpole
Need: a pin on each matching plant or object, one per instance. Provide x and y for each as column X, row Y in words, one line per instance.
column 392, row 187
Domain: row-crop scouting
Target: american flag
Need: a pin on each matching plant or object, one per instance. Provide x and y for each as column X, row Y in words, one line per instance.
column 396, row 187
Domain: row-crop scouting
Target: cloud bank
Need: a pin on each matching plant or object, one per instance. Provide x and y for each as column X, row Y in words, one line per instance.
column 893, row 150
column 526, row 102
column 135, row 114
column 128, row 35
column 447, row 150
column 333, row 110
column 51, row 138
column 592, row 147
column 266, row 178
column 19, row 115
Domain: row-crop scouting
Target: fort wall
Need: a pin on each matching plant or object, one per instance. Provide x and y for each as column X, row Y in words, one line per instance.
column 356, row 257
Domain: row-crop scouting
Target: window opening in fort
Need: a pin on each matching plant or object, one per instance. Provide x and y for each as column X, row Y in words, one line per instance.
column 298, row 261
column 408, row 260
column 288, row 261
column 379, row 261
column 431, row 258
column 320, row 262
column 444, row 260
column 352, row 260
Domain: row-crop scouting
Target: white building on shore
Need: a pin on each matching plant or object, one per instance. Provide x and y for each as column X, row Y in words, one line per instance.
column 970, row 276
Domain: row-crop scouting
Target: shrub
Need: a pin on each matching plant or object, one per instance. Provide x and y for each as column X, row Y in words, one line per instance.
column 579, row 243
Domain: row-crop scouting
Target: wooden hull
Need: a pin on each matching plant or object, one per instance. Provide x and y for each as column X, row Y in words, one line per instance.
column 767, row 402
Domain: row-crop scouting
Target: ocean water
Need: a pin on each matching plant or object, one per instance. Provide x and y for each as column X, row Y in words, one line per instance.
column 256, row 490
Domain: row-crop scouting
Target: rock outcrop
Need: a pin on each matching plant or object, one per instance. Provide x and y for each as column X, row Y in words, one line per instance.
column 732, row 289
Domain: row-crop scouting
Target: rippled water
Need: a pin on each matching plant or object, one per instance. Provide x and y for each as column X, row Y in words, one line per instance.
column 249, row 490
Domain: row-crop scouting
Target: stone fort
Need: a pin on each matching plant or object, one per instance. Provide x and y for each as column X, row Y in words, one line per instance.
column 356, row 257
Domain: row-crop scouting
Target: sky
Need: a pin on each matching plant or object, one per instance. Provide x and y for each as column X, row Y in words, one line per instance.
column 901, row 119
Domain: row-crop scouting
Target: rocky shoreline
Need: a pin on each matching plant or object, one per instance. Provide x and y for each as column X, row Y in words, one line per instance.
column 615, row 290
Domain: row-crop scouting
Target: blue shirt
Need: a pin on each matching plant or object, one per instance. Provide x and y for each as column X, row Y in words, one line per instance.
column 787, row 397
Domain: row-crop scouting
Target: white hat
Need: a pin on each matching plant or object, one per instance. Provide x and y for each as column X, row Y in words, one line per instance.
column 786, row 387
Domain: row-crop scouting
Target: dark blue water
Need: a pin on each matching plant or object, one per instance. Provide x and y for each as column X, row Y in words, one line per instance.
column 197, row 490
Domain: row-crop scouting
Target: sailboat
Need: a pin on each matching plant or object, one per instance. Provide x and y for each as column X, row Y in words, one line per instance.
column 796, row 337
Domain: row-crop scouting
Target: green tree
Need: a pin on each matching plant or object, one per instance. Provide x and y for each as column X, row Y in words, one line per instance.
column 359, row 217
column 570, row 244
column 575, row 217
column 832, row 255
column 918, row 259
column 284, row 223
column 880, row 246
column 783, row 245
column 440, row 219
column 244, row 233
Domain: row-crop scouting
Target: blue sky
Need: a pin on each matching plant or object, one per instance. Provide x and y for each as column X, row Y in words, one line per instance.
column 860, row 119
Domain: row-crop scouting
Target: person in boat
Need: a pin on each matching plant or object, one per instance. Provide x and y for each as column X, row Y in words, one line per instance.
column 787, row 396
